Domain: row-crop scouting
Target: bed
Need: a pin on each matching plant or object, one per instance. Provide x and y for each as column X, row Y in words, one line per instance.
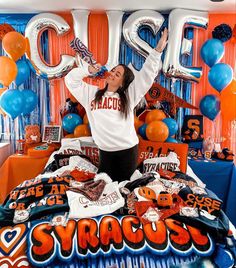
column 94, row 226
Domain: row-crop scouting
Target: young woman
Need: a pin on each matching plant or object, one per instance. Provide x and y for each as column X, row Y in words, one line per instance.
column 110, row 110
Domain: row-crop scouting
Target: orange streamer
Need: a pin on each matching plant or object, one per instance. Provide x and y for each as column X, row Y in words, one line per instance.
column 222, row 129
column 98, row 45
column 59, row 45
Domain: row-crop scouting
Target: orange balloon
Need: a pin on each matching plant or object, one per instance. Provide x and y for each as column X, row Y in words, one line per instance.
column 85, row 119
column 157, row 131
column 14, row 45
column 8, row 70
column 82, row 131
column 4, row 29
column 154, row 115
column 137, row 123
column 69, row 136
column 228, row 102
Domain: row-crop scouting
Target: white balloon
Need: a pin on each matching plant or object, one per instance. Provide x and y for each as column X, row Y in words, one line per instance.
column 150, row 18
column 80, row 25
column 115, row 28
column 80, row 18
column 186, row 46
column 172, row 67
column 34, row 29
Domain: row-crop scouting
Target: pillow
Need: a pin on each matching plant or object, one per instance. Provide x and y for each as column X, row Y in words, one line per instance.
column 62, row 160
column 88, row 147
column 150, row 149
column 202, row 199
column 36, row 198
column 81, row 207
column 81, row 163
column 170, row 162
column 75, row 162
column 82, row 175
column 68, row 147
column 180, row 177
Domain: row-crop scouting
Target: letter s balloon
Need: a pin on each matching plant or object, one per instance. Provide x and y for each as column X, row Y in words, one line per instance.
column 150, row 18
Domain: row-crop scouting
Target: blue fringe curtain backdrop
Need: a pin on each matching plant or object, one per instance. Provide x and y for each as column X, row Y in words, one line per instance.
column 42, row 114
column 180, row 88
column 13, row 130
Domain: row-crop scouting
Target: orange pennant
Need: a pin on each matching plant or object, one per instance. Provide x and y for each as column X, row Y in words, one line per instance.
column 158, row 93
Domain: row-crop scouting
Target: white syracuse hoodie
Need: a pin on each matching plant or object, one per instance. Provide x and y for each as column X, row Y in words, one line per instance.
column 110, row 130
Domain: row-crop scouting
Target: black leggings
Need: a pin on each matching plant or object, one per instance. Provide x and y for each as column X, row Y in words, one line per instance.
column 119, row 165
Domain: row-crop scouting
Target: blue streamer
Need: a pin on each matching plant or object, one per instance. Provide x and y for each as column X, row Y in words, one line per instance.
column 38, row 85
column 181, row 89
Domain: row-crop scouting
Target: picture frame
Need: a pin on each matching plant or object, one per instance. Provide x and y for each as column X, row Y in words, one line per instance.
column 51, row 133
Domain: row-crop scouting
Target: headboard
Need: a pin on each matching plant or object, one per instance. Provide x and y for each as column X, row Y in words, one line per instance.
column 150, row 149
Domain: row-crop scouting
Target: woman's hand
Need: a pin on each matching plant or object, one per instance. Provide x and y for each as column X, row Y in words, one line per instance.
column 163, row 41
column 93, row 69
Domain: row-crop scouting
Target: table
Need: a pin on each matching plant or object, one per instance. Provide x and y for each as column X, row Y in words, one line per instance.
column 5, row 151
column 18, row 168
column 220, row 177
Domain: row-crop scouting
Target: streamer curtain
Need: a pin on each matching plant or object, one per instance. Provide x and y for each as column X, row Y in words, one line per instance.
column 222, row 129
column 52, row 95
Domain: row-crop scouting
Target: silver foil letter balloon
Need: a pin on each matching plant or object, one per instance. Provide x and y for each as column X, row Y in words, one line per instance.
column 80, row 24
column 178, row 19
column 150, row 18
column 34, row 29
column 115, row 28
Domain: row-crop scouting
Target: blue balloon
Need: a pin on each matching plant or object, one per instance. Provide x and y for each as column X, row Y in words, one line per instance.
column 71, row 121
column 12, row 102
column 210, row 106
column 170, row 139
column 220, row 76
column 172, row 125
column 212, row 51
column 142, row 131
column 30, row 101
column 23, row 72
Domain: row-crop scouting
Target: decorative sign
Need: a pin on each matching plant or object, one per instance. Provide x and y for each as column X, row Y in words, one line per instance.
column 150, row 149
column 110, row 237
column 51, row 133
column 193, row 128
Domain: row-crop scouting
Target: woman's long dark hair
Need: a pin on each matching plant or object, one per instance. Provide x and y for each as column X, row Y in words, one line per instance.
column 128, row 77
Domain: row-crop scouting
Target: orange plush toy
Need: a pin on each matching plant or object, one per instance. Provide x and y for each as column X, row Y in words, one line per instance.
column 32, row 134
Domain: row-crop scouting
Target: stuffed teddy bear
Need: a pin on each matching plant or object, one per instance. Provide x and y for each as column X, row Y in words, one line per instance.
column 32, row 134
